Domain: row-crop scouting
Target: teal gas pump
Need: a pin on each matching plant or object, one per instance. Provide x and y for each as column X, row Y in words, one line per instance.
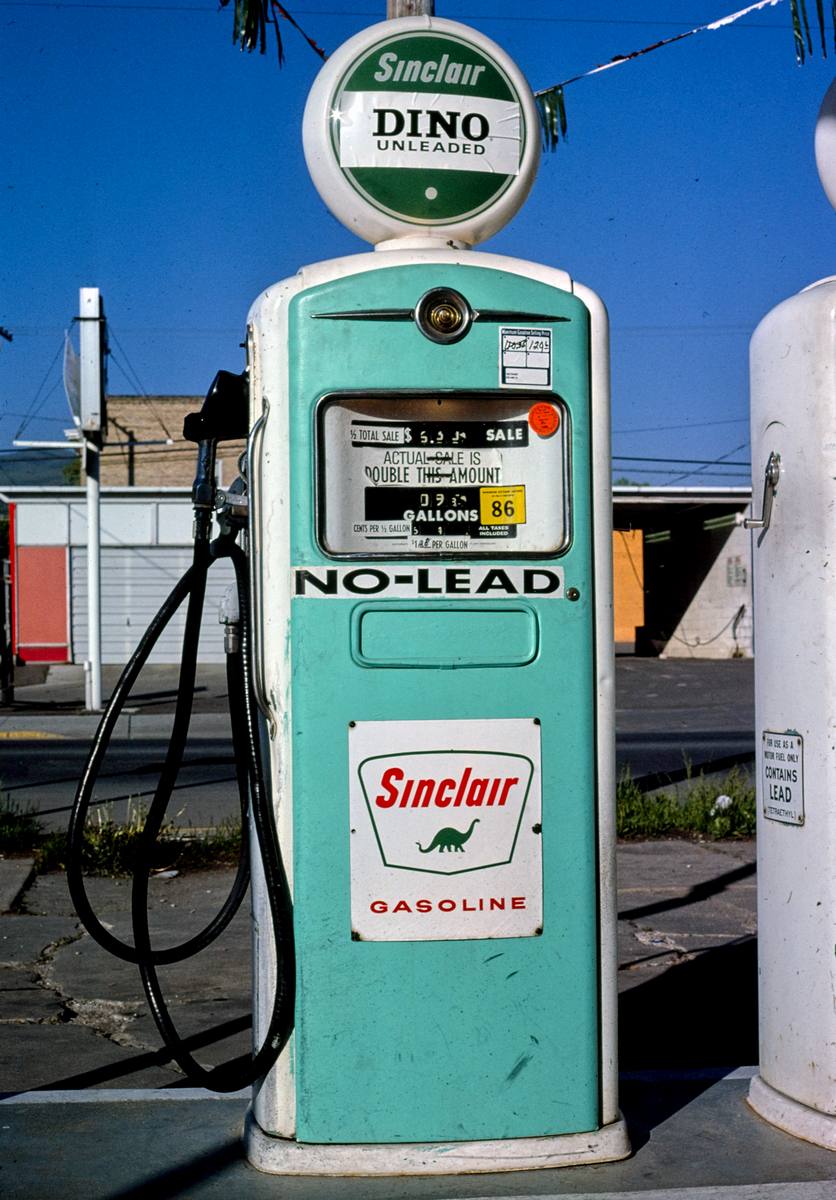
column 419, row 656
column 430, row 539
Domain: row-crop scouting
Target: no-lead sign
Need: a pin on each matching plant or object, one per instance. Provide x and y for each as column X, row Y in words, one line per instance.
column 421, row 125
column 445, row 829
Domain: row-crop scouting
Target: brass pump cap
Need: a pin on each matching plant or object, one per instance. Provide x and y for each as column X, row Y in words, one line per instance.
column 443, row 315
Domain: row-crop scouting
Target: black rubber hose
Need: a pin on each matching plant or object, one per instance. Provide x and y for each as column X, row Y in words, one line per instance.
column 239, row 1073
column 75, row 876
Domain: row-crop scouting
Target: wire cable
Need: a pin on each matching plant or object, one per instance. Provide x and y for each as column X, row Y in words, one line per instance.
column 255, row 800
column 81, row 805
column 238, row 1073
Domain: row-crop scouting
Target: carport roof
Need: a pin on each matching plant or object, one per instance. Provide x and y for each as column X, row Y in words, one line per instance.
column 624, row 493
column 661, row 494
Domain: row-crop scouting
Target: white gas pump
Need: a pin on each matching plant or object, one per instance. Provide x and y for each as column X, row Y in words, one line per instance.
column 793, row 421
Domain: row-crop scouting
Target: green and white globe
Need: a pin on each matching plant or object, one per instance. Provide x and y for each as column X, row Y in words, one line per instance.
column 422, row 126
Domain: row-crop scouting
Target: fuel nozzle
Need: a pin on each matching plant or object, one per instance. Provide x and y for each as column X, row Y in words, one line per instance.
column 224, row 417
column 229, row 615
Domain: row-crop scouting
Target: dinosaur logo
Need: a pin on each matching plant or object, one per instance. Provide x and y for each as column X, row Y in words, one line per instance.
column 449, row 839
column 403, row 792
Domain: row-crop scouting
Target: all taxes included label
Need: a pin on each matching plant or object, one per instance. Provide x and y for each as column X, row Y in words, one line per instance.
column 502, row 505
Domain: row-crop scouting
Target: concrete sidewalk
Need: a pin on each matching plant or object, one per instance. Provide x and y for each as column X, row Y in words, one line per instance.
column 78, row 1052
column 49, row 704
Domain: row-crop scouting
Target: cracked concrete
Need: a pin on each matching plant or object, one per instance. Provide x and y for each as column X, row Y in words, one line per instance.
column 73, row 1016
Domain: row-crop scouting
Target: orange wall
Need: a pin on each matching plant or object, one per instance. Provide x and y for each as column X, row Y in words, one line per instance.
column 628, row 582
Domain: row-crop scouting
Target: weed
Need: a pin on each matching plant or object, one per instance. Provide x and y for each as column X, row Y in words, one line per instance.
column 114, row 848
column 19, row 827
column 707, row 809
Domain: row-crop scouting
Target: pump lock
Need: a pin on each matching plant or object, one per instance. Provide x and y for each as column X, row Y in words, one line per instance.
column 443, row 315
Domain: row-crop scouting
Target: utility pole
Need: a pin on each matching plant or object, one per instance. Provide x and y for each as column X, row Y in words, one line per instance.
column 410, row 8
column 92, row 343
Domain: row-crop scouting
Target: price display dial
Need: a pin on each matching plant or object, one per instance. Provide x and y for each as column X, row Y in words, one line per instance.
column 421, row 475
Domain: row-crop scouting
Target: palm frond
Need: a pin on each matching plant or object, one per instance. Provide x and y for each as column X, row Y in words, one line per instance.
column 551, row 105
column 801, row 27
column 250, row 19
column 820, row 15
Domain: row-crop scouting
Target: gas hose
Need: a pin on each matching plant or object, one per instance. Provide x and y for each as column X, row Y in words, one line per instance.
column 254, row 799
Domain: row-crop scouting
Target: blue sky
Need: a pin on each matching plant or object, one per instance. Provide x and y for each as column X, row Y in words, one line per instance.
column 143, row 154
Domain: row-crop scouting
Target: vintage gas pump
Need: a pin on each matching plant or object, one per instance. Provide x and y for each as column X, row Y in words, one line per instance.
column 430, row 539
column 793, row 415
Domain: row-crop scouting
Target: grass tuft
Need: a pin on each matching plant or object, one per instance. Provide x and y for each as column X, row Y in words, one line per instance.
column 113, row 848
column 19, row 828
column 708, row 809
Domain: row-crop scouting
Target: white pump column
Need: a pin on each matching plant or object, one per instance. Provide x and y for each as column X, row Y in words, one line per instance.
column 793, row 420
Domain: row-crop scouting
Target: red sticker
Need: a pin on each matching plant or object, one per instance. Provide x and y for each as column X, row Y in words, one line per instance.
column 543, row 419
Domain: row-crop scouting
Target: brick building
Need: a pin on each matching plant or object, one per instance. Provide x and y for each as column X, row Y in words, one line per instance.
column 144, row 445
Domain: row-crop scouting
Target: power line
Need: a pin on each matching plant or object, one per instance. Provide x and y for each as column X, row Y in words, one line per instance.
column 136, row 382
column 688, row 425
column 717, row 462
column 703, row 475
column 8, row 412
column 685, row 462
column 128, row 371
column 200, row 10
column 36, row 406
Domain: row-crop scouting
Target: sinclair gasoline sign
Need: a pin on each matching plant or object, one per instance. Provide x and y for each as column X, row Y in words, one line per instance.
column 445, row 829
column 421, row 122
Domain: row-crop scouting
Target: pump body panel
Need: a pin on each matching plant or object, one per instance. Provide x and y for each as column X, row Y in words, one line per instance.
column 431, row 670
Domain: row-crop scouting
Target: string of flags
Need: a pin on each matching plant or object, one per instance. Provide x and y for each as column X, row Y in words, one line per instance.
column 551, row 102
column 251, row 19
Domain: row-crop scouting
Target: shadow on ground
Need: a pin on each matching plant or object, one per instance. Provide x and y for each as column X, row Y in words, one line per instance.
column 698, row 1019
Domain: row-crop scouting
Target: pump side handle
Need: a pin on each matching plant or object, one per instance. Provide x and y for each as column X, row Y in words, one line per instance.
column 771, row 475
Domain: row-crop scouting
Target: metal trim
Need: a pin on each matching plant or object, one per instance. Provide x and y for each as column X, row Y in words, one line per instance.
column 253, row 559
column 408, row 314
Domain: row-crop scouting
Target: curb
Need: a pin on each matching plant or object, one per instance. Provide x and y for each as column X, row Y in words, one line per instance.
column 130, row 727
column 15, row 876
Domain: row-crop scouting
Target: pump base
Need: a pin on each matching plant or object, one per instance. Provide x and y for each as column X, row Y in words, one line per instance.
column 791, row 1115
column 283, row 1156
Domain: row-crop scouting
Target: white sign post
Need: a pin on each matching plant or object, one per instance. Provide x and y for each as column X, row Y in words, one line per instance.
column 92, row 381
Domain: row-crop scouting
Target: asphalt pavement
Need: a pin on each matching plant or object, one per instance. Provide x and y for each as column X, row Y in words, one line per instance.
column 673, row 717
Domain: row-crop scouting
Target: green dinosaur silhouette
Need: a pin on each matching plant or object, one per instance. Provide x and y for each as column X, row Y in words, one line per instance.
column 449, row 839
